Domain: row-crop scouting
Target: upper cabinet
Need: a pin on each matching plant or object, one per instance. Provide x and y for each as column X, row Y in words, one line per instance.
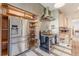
column 63, row 21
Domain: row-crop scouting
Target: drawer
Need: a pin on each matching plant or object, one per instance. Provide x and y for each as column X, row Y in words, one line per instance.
column 18, row 48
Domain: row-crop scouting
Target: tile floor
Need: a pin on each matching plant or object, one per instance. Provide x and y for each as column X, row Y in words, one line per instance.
column 57, row 50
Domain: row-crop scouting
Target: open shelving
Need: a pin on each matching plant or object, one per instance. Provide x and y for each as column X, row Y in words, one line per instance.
column 4, row 34
column 32, row 31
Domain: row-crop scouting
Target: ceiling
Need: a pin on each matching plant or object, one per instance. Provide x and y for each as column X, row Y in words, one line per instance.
column 69, row 9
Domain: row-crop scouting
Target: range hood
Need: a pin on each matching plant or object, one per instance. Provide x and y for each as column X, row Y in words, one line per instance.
column 48, row 15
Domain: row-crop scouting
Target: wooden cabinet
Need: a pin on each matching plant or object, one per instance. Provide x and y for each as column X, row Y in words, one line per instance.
column 4, row 34
column 64, row 30
column 63, row 21
column 75, row 47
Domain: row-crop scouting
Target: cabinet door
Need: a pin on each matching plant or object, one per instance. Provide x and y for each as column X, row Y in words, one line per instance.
column 63, row 21
column 75, row 47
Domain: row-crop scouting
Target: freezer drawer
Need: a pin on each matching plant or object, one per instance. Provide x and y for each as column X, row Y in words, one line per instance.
column 17, row 39
column 18, row 48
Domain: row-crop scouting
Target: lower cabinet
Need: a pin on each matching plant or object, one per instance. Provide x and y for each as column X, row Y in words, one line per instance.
column 75, row 47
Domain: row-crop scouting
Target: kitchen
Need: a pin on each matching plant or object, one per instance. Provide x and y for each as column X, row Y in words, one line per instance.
column 38, row 29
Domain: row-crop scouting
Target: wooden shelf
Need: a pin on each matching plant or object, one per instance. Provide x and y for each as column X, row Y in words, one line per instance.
column 4, row 45
column 4, row 52
column 32, row 29
column 5, row 22
column 4, row 29
column 4, row 35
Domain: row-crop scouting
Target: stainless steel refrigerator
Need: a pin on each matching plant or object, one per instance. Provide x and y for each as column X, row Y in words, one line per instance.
column 18, row 35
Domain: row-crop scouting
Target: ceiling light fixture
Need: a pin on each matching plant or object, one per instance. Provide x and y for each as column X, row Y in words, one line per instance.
column 58, row 5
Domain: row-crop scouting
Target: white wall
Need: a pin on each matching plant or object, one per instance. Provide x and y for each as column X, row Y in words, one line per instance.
column 56, row 21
